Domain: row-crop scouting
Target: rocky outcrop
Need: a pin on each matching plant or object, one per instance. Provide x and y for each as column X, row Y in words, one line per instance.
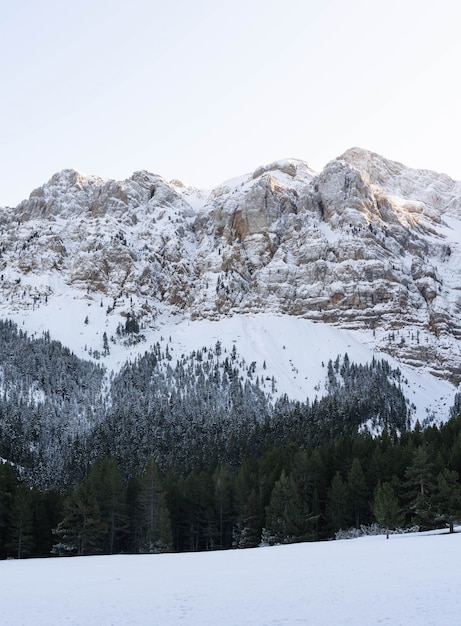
column 366, row 244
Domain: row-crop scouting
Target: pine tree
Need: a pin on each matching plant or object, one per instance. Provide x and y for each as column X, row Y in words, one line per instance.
column 419, row 482
column 419, row 473
column 21, row 523
column 110, row 492
column 284, row 514
column 47, row 513
column 155, row 533
column 105, row 345
column 7, row 491
column 223, row 497
column 447, row 498
column 386, row 507
column 247, row 534
column 81, row 531
column 357, row 492
column 337, row 503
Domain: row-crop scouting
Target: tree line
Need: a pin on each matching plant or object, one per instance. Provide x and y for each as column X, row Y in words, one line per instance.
column 287, row 493
column 59, row 414
column 197, row 451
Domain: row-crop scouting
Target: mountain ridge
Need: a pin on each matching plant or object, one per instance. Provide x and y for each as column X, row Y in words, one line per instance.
column 366, row 245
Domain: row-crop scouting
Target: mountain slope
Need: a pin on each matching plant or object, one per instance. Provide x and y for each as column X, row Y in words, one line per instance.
column 367, row 245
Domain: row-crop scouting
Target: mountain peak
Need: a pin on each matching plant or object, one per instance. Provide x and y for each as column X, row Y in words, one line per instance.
column 68, row 176
column 290, row 167
column 367, row 244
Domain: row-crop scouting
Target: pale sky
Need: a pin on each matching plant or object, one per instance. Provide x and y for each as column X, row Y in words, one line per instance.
column 205, row 90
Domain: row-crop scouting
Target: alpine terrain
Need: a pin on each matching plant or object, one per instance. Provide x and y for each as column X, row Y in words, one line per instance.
column 368, row 246
column 274, row 360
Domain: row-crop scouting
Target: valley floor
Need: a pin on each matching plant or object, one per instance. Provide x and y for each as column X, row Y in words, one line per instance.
column 410, row 579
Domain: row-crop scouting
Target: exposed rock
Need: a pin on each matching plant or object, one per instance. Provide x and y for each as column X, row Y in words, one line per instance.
column 366, row 244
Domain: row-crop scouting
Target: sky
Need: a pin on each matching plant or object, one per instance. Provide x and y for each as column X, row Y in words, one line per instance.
column 204, row 91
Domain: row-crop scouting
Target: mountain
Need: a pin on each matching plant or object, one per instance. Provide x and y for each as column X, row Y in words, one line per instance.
column 363, row 257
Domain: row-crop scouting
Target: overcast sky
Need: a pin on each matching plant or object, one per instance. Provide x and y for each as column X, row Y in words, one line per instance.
column 205, row 90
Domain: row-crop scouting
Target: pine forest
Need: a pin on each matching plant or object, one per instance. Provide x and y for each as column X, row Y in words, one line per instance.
column 198, row 453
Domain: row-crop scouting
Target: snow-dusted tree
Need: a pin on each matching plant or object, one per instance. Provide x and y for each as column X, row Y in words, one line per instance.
column 455, row 410
column 105, row 344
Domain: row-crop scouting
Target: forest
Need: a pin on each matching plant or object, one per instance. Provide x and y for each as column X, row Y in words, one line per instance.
column 197, row 453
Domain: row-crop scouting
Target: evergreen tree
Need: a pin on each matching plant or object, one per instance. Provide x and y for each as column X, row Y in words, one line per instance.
column 284, row 514
column 386, row 507
column 21, row 523
column 110, row 492
column 7, row 492
column 447, row 498
column 47, row 513
column 81, row 531
column 455, row 410
column 155, row 531
column 201, row 518
column 455, row 452
column 419, row 482
column 247, row 533
column 224, row 504
column 337, row 503
column 105, row 345
column 419, row 474
column 357, row 492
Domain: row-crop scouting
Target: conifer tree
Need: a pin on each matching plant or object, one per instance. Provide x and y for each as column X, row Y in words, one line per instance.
column 7, row 491
column 419, row 482
column 155, row 532
column 386, row 507
column 110, row 492
column 337, row 503
column 357, row 492
column 81, row 531
column 284, row 513
column 447, row 498
column 247, row 533
column 21, row 523
column 223, row 497
column 47, row 513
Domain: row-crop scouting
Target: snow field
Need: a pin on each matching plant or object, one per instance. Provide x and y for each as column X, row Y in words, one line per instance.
column 411, row 579
column 296, row 351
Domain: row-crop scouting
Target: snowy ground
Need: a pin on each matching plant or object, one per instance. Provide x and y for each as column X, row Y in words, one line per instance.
column 407, row 580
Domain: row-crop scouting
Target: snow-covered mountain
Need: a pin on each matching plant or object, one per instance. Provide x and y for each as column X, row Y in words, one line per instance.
column 293, row 266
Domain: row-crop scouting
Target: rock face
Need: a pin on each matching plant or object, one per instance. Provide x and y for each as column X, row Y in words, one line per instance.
column 367, row 244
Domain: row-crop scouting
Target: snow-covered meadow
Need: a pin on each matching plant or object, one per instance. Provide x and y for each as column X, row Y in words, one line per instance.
column 412, row 579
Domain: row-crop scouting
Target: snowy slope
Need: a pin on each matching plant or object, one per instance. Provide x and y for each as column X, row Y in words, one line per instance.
column 290, row 266
column 292, row 350
column 407, row 580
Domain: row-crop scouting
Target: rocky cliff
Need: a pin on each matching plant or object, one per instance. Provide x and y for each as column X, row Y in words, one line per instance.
column 367, row 244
